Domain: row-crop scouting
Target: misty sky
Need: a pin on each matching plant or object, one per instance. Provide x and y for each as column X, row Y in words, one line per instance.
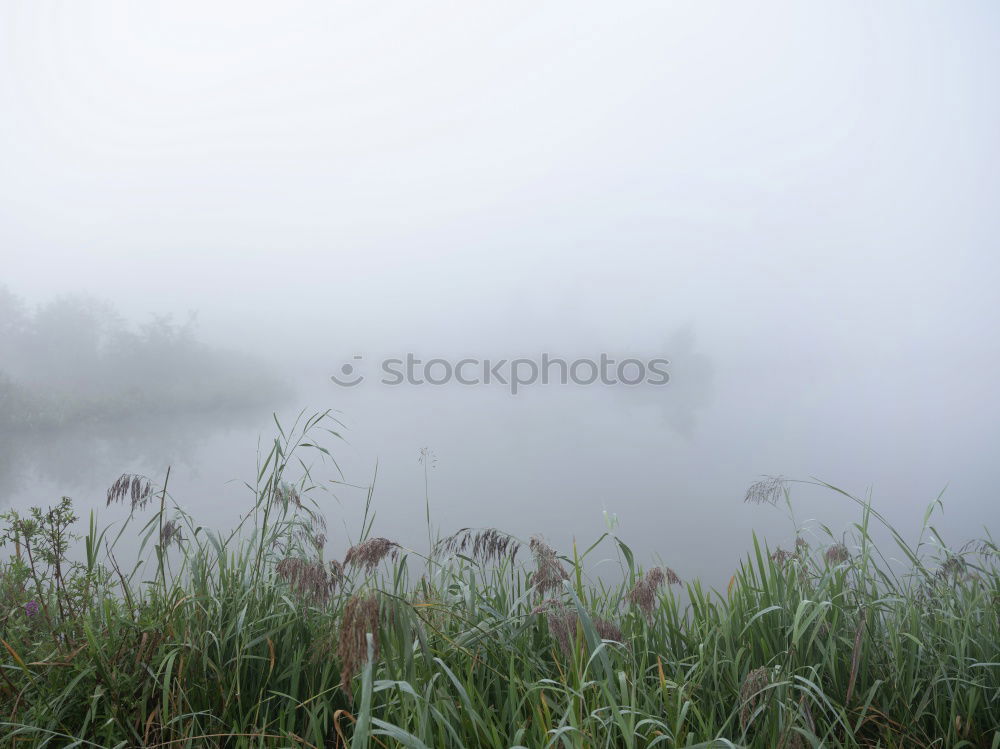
column 796, row 203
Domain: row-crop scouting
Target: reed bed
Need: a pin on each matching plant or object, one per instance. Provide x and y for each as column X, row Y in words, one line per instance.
column 254, row 638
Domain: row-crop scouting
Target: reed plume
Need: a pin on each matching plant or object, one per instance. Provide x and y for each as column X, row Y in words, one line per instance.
column 562, row 627
column 308, row 579
column 781, row 556
column 549, row 573
column 643, row 593
column 766, row 491
column 288, row 495
column 170, row 533
column 751, row 691
column 370, row 553
column 837, row 553
column 562, row 622
column 361, row 617
column 953, row 568
column 132, row 486
column 608, row 630
column 483, row 545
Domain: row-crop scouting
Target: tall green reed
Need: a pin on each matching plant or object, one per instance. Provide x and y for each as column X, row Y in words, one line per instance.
column 251, row 638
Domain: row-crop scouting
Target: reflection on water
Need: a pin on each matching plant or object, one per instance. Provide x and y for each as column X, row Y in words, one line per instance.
column 85, row 395
column 37, row 466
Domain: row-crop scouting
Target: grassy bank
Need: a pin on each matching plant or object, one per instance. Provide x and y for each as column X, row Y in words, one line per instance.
column 251, row 638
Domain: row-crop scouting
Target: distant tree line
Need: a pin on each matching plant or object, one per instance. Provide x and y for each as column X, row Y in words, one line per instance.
column 75, row 359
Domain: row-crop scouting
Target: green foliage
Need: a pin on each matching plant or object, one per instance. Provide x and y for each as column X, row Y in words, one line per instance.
column 240, row 639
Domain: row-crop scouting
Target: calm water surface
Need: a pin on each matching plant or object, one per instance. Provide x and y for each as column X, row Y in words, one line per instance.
column 552, row 461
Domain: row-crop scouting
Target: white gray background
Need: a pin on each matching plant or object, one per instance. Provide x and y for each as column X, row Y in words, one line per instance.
column 796, row 203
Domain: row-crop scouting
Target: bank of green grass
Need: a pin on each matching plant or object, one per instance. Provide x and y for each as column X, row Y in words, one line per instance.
column 239, row 639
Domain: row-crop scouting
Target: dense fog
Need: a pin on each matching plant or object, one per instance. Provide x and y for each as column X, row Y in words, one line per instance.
column 207, row 211
column 74, row 360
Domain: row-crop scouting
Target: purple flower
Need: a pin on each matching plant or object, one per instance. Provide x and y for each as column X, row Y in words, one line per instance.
column 31, row 608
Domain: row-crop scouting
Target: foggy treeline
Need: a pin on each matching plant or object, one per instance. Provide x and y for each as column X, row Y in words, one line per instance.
column 74, row 359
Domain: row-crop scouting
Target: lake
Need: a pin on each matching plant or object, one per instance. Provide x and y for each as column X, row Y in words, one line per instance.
column 672, row 463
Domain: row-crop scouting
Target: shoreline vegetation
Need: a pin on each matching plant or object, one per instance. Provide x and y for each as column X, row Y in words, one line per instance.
column 257, row 637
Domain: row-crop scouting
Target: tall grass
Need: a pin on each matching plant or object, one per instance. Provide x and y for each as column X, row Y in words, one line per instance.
column 252, row 639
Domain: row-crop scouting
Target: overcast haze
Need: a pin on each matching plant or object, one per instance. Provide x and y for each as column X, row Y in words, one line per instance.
column 795, row 204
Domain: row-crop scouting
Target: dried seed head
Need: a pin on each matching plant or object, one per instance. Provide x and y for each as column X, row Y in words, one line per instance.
column 953, row 566
column 361, row 617
column 562, row 627
column 137, row 489
column 780, row 556
column 288, row 495
column 984, row 547
column 837, row 553
column 546, row 604
column 766, row 491
column 310, row 530
column 608, row 630
column 484, row 545
column 751, row 691
column 308, row 579
column 643, row 594
column 549, row 573
column 369, row 554
column 563, row 621
column 170, row 533
column 955, row 570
